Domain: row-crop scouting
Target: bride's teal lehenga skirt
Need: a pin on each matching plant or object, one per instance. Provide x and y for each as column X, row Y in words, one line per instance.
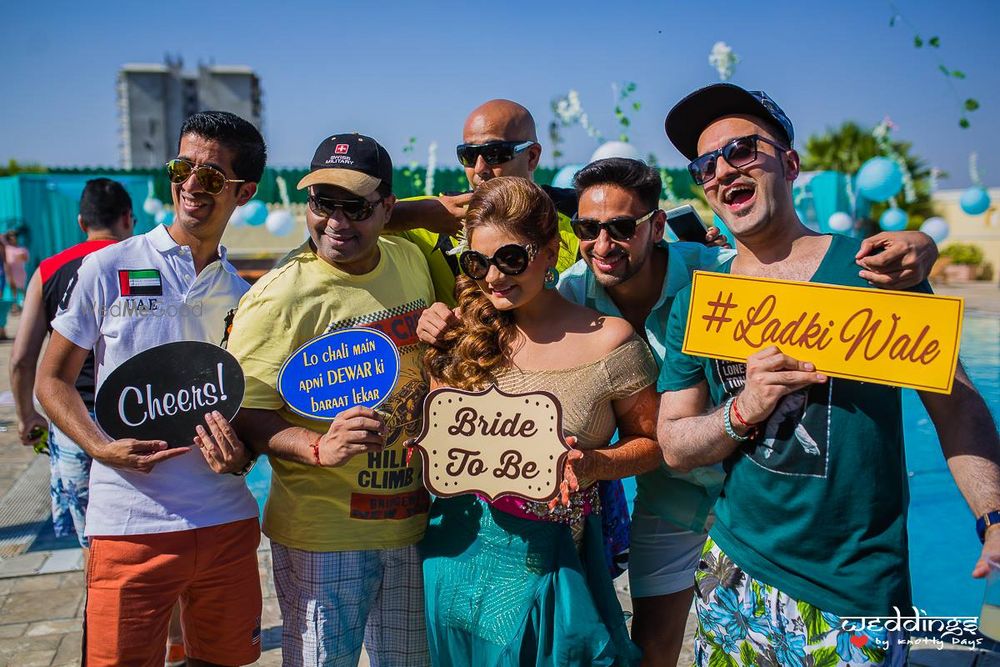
column 502, row 590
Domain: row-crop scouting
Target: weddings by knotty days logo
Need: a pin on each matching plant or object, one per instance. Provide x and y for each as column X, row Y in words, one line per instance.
column 918, row 630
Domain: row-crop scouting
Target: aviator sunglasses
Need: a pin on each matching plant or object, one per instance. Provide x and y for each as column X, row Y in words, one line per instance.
column 739, row 152
column 493, row 152
column 212, row 180
column 621, row 228
column 354, row 209
column 511, row 259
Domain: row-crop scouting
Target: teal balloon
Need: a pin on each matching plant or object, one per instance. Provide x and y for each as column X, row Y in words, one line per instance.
column 975, row 200
column 255, row 213
column 164, row 217
column 564, row 177
column 879, row 179
column 893, row 220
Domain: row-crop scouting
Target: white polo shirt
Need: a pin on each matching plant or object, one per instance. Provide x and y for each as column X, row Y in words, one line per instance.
column 163, row 302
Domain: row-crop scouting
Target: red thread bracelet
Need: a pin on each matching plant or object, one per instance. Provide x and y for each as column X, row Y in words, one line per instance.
column 739, row 418
column 315, row 450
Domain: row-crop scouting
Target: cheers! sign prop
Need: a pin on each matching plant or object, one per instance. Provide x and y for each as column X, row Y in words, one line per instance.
column 896, row 338
column 164, row 392
column 492, row 443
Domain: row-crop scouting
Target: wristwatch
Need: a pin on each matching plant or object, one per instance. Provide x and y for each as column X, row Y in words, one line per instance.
column 253, row 461
column 984, row 522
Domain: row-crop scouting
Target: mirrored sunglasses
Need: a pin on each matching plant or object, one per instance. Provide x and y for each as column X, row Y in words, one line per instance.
column 211, row 180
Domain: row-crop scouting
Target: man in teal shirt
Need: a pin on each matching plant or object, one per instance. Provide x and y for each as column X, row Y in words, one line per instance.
column 628, row 270
column 811, row 523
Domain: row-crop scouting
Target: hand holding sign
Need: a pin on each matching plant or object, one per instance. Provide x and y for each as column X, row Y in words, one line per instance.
column 357, row 430
column 138, row 455
column 223, row 450
column 772, row 375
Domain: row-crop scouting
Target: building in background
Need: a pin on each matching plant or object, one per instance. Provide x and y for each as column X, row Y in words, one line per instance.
column 154, row 100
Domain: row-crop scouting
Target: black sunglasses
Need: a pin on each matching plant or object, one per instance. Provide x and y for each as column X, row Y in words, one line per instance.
column 739, row 152
column 493, row 152
column 354, row 209
column 512, row 260
column 619, row 229
column 212, row 180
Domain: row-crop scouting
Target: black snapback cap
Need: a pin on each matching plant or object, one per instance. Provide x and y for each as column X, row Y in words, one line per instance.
column 689, row 117
column 354, row 162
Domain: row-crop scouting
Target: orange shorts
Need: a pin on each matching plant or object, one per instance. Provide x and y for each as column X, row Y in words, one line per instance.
column 133, row 582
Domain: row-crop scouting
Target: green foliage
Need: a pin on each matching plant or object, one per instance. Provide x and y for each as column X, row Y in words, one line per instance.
column 15, row 167
column 624, row 122
column 748, row 656
column 816, row 625
column 847, row 147
column 825, row 657
column 935, row 43
column 967, row 254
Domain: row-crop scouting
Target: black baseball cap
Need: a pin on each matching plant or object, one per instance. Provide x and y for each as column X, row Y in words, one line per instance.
column 353, row 162
column 689, row 117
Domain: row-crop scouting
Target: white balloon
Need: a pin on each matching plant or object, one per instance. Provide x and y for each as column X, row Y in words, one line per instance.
column 616, row 149
column 152, row 206
column 280, row 222
column 840, row 222
column 937, row 228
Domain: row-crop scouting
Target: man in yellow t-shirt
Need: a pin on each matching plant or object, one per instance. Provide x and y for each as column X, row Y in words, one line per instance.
column 345, row 509
column 499, row 139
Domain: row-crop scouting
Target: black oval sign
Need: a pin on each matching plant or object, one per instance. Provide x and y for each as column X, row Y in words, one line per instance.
column 164, row 392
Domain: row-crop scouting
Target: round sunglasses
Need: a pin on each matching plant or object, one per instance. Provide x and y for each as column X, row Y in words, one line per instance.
column 354, row 210
column 511, row 259
column 739, row 152
column 492, row 152
column 211, row 180
column 621, row 228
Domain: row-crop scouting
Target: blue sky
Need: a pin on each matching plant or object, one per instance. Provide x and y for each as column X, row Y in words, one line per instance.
column 400, row 69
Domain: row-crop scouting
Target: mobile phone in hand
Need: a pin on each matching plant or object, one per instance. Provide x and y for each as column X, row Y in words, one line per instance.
column 686, row 224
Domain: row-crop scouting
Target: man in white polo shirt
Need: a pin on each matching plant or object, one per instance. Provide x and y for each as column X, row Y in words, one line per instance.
column 165, row 525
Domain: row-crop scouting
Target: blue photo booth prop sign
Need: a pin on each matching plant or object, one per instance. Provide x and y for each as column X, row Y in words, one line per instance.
column 339, row 370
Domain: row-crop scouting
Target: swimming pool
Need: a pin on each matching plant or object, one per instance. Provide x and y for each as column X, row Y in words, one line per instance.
column 943, row 543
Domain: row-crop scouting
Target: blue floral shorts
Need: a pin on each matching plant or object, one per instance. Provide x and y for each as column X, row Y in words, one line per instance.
column 745, row 622
column 69, row 485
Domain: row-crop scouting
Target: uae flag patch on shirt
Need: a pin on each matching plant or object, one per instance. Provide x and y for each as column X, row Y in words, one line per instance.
column 140, row 282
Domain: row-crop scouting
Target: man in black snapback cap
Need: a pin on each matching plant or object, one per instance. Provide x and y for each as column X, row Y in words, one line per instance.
column 810, row 526
column 346, row 508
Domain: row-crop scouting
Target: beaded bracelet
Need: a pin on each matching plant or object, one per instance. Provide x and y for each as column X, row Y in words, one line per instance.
column 727, row 420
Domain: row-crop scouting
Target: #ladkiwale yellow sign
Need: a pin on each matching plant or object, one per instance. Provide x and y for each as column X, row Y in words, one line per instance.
column 903, row 339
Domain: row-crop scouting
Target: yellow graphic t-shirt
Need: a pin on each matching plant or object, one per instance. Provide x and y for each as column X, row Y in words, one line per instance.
column 376, row 500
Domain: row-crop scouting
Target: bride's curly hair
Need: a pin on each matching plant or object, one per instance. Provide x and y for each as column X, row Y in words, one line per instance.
column 472, row 353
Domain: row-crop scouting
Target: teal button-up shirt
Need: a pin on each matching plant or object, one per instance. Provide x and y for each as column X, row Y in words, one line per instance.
column 683, row 499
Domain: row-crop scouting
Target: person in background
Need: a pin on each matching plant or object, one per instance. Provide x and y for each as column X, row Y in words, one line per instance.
column 15, row 259
column 106, row 218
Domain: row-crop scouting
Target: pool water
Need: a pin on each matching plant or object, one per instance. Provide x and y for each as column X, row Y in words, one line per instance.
column 943, row 543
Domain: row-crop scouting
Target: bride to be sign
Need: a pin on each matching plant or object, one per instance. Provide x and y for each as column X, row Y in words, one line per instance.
column 492, row 443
